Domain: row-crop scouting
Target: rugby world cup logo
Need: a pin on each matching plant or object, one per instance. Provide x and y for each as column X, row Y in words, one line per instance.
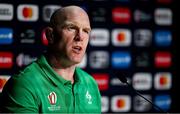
column 52, row 98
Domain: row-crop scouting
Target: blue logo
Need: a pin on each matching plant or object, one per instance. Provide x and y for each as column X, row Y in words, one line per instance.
column 121, row 60
column 163, row 38
column 6, row 35
column 163, row 101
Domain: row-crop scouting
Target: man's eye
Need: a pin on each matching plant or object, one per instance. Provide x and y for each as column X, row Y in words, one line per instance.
column 71, row 28
column 87, row 31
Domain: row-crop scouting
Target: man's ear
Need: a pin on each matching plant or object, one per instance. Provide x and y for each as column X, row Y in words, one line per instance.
column 49, row 35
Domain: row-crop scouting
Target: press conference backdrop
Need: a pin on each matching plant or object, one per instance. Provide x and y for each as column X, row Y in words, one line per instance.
column 133, row 38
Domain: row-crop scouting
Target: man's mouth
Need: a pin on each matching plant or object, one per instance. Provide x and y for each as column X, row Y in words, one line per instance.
column 77, row 49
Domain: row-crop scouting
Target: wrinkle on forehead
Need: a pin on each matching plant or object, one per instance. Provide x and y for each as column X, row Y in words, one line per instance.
column 62, row 14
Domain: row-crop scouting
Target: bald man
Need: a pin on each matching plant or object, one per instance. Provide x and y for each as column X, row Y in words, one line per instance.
column 54, row 83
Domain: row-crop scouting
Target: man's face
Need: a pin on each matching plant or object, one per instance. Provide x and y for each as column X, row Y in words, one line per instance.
column 72, row 38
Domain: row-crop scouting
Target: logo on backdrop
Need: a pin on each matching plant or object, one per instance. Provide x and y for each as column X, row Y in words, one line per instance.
column 121, row 103
column 121, row 59
column 99, row 59
column 27, row 12
column 6, row 59
column 6, row 35
column 6, row 12
column 163, row 38
column 121, row 15
column 99, row 37
column 163, row 59
column 121, row 37
column 163, row 16
column 48, row 10
column 142, row 37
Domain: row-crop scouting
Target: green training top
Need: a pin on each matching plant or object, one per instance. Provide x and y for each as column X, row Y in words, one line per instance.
column 39, row 89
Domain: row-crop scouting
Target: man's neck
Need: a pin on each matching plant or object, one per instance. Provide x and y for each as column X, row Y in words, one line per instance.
column 67, row 72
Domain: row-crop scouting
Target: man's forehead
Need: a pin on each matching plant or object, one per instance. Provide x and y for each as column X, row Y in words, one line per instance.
column 76, row 24
column 69, row 13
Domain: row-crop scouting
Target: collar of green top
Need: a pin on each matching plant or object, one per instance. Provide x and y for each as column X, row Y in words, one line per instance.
column 52, row 75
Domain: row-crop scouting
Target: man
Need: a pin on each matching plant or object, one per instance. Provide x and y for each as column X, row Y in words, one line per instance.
column 53, row 83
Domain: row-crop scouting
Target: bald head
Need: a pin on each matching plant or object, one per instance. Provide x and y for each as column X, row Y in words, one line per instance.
column 62, row 14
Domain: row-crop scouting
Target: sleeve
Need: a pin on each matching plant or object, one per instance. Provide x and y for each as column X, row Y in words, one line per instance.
column 17, row 97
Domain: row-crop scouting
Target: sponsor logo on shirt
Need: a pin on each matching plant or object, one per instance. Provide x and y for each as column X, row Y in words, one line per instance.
column 3, row 80
column 121, row 103
column 6, row 59
column 121, row 15
column 6, row 12
column 27, row 12
column 6, row 35
column 52, row 97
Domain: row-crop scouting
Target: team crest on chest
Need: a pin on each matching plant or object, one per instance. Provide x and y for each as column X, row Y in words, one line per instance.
column 88, row 97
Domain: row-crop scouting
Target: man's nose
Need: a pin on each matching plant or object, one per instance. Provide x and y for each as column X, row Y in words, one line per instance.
column 79, row 35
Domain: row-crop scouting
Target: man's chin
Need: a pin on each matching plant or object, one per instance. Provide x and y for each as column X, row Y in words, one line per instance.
column 76, row 61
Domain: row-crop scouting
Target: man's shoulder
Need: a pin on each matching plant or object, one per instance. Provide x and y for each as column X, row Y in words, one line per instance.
column 27, row 74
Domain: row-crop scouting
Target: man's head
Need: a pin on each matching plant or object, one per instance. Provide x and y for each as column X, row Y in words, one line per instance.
column 68, row 34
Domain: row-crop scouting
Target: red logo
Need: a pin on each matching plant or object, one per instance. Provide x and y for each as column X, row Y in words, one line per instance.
column 102, row 81
column 163, row 59
column 6, row 59
column 121, row 15
column 3, row 80
column 27, row 12
column 163, row 81
column 43, row 37
column 52, row 98
column 121, row 103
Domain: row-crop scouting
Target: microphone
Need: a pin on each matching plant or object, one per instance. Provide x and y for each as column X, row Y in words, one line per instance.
column 123, row 79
